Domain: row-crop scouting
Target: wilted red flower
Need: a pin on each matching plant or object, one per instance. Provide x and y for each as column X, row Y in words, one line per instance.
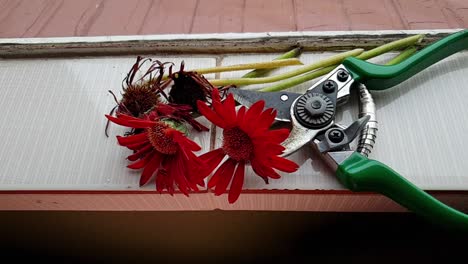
column 247, row 138
column 142, row 95
column 190, row 87
column 161, row 148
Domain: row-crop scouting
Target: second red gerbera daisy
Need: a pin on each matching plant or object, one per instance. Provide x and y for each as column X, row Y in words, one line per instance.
column 247, row 138
column 162, row 149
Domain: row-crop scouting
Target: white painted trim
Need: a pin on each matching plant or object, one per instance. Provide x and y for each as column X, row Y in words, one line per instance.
column 220, row 36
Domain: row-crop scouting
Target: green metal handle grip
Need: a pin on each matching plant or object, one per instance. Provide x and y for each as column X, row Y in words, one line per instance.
column 359, row 173
column 381, row 77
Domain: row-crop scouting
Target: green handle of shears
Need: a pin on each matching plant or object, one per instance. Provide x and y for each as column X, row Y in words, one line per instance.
column 381, row 77
column 359, row 173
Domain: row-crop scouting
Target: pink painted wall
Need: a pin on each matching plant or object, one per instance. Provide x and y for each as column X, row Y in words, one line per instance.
column 54, row 18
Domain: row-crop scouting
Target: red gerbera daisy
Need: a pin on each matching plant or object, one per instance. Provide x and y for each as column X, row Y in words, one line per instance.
column 162, row 149
column 247, row 138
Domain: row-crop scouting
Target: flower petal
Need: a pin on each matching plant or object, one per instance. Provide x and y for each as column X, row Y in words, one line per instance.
column 134, row 123
column 170, row 184
column 278, row 135
column 211, row 160
column 283, row 164
column 141, row 163
column 161, row 180
column 230, row 108
column 176, row 172
column 188, row 163
column 248, row 123
column 185, row 142
column 220, row 110
column 216, row 176
column 210, row 114
column 125, row 116
column 226, row 177
column 150, row 168
column 241, row 113
column 215, row 97
column 193, row 168
column 123, row 141
column 139, row 145
column 201, row 183
column 168, row 179
column 266, row 118
column 140, row 153
column 236, row 185
column 264, row 171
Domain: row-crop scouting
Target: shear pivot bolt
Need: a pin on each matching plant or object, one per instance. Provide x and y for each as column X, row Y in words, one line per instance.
column 342, row 76
column 316, row 104
column 314, row 110
column 336, row 135
column 329, row 86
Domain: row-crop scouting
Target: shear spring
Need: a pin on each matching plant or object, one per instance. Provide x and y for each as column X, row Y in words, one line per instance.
column 369, row 133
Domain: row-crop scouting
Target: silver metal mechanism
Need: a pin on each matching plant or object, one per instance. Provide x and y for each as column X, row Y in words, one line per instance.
column 280, row 101
column 299, row 135
column 343, row 87
column 369, row 133
column 334, row 153
column 325, row 144
column 335, row 148
column 366, row 125
column 335, row 158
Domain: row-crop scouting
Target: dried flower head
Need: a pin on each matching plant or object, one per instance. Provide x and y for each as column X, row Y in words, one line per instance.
column 143, row 94
column 189, row 87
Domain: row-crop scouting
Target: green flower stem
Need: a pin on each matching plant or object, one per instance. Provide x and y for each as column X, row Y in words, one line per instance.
column 317, row 65
column 402, row 56
column 248, row 66
column 256, row 65
column 394, row 45
column 298, row 79
column 315, row 74
column 364, row 56
column 262, row 72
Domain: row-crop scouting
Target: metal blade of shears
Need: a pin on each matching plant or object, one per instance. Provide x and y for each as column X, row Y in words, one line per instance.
column 280, row 101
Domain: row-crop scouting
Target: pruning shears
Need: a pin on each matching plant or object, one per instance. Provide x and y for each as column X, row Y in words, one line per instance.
column 312, row 116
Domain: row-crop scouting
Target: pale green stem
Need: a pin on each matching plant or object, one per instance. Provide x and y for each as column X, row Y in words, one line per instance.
column 298, row 79
column 394, row 45
column 248, row 66
column 402, row 56
column 323, row 63
column 364, row 56
column 262, row 72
